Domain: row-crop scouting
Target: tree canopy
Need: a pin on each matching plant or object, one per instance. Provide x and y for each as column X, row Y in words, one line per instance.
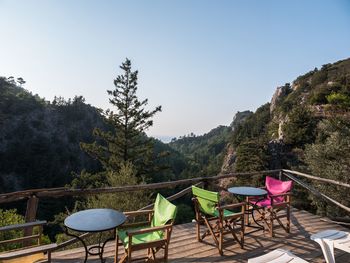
column 125, row 141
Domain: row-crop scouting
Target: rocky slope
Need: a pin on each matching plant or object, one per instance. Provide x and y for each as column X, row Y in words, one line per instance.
column 297, row 108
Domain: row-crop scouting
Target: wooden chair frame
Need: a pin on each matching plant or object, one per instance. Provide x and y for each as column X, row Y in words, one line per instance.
column 272, row 213
column 152, row 247
column 25, row 240
column 222, row 225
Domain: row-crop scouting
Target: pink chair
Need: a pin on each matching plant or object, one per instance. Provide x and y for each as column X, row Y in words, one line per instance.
column 276, row 205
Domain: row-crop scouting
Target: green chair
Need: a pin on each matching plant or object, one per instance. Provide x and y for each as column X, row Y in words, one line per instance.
column 219, row 220
column 153, row 234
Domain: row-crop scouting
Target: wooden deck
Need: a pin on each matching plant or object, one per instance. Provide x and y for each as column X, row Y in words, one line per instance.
column 185, row 248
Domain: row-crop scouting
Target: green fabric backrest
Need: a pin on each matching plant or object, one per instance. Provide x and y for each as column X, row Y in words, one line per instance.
column 163, row 211
column 207, row 200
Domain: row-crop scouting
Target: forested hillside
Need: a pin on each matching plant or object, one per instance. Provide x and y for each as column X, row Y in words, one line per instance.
column 305, row 127
column 39, row 140
column 204, row 153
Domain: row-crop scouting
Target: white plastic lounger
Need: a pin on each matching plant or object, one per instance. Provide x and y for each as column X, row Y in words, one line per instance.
column 277, row 256
column 330, row 239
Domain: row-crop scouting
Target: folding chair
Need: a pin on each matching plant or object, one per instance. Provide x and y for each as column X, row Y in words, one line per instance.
column 219, row 220
column 152, row 235
column 276, row 205
column 330, row 239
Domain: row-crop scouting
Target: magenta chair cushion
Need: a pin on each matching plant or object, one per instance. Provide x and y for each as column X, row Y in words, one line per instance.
column 274, row 187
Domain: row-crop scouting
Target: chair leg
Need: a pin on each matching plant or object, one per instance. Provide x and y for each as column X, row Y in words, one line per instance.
column 49, row 256
column 154, row 255
column 221, row 240
column 246, row 215
column 123, row 258
column 271, row 222
column 288, row 219
column 129, row 254
column 198, row 230
column 166, row 252
column 116, row 249
column 242, row 232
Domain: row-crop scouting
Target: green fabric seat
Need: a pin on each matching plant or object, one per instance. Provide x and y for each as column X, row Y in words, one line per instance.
column 139, row 239
column 226, row 213
column 164, row 211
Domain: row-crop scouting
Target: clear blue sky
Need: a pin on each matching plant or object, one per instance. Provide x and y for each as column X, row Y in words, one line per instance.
column 201, row 60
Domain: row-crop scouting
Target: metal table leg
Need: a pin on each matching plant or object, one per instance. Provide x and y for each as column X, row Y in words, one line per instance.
column 99, row 247
column 81, row 240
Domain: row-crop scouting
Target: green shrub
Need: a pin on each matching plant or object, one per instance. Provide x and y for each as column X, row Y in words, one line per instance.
column 339, row 99
column 10, row 217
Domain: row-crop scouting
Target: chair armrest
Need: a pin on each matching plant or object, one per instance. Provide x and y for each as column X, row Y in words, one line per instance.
column 133, row 225
column 138, row 213
column 242, row 204
column 285, row 196
column 149, row 230
column 280, row 195
column 21, row 226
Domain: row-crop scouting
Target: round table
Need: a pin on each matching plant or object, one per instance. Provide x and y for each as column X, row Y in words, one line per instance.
column 94, row 220
column 248, row 191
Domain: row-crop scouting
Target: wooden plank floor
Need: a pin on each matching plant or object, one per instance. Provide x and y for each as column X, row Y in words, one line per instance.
column 185, row 248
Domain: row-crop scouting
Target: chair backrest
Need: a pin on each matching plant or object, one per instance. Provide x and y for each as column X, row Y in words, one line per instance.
column 274, row 186
column 164, row 211
column 207, row 200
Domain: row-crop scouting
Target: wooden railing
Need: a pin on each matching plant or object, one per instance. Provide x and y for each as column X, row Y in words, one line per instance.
column 34, row 195
column 291, row 175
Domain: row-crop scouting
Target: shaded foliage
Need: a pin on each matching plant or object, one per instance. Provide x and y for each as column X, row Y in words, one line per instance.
column 204, row 154
column 329, row 157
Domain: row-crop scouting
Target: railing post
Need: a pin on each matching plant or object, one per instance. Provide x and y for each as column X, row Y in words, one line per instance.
column 32, row 207
column 205, row 184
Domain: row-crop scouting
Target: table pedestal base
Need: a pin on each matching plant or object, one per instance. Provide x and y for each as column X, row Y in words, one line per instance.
column 90, row 251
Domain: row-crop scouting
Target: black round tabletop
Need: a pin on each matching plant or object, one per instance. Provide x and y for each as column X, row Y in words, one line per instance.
column 94, row 220
column 247, row 191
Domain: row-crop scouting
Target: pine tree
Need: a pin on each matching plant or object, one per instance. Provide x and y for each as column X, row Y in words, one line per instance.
column 126, row 141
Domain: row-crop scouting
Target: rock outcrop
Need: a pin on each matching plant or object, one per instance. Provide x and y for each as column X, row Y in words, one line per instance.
column 280, row 93
column 239, row 117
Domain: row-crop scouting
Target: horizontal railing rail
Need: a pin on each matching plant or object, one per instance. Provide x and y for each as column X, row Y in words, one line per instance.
column 33, row 195
column 59, row 192
column 315, row 192
column 320, row 179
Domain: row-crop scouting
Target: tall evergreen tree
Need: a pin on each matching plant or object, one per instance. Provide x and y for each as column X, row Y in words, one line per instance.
column 126, row 141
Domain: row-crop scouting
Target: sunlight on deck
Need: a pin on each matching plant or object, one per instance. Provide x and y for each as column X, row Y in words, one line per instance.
column 185, row 248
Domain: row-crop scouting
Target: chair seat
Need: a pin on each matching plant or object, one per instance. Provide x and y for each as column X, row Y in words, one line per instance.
column 330, row 239
column 277, row 256
column 139, row 239
column 226, row 213
column 265, row 202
